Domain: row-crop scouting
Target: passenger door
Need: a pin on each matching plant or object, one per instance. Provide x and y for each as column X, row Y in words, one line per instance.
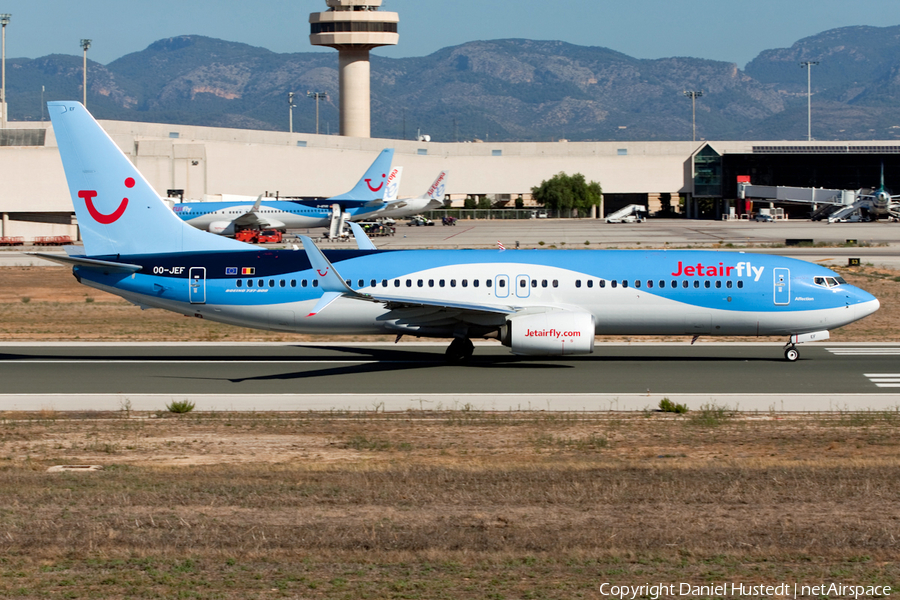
column 782, row 286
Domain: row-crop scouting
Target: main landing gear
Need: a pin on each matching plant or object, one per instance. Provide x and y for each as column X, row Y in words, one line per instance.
column 460, row 350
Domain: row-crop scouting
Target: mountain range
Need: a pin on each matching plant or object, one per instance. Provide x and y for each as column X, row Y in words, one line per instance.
column 499, row 90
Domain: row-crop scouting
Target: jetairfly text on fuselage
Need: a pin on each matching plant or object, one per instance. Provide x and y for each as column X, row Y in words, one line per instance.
column 744, row 269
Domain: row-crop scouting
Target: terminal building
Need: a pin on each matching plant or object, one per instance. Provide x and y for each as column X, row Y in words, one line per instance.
column 687, row 179
column 693, row 179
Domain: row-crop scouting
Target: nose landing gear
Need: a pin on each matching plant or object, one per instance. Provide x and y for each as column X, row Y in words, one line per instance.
column 791, row 353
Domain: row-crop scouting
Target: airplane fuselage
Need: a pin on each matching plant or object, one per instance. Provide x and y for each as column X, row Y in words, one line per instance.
column 626, row 291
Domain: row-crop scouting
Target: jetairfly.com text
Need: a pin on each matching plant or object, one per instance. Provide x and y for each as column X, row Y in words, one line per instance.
column 551, row 333
column 784, row 590
column 744, row 269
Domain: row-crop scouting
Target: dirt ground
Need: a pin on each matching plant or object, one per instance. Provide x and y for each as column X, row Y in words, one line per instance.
column 48, row 304
column 444, row 505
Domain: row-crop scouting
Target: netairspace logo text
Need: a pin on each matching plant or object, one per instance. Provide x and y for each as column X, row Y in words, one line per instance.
column 734, row 590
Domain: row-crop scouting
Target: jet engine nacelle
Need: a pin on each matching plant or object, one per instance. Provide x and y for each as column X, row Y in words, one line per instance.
column 552, row 333
column 222, row 228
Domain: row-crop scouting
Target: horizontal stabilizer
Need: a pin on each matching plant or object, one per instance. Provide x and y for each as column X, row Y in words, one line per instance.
column 92, row 263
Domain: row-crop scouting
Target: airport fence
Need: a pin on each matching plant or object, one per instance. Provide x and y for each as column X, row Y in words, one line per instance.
column 476, row 213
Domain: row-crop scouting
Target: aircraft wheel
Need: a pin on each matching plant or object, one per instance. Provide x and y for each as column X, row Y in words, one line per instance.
column 459, row 351
column 791, row 354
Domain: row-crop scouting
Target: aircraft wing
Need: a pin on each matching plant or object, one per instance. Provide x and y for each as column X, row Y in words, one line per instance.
column 251, row 218
column 334, row 286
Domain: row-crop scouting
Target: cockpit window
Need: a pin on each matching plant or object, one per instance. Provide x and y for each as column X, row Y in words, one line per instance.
column 829, row 282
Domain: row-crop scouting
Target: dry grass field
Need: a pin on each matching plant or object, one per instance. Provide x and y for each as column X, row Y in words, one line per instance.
column 443, row 505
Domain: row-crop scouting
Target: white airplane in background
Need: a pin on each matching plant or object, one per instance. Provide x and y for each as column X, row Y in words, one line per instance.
column 432, row 199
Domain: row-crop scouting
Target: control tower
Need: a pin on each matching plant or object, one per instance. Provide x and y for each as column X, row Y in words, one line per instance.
column 354, row 27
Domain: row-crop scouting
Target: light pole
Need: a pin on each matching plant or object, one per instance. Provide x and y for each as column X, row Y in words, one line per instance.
column 4, row 21
column 291, row 106
column 693, row 95
column 808, row 64
column 85, row 44
column 317, row 95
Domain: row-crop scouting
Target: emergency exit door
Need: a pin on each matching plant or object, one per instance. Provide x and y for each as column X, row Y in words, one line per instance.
column 197, row 285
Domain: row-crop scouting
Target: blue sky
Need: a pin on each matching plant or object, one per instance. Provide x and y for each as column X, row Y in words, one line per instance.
column 729, row 30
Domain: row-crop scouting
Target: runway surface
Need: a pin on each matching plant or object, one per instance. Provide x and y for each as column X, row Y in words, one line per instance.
column 413, row 376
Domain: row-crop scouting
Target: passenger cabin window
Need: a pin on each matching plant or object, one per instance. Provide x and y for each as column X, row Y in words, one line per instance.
column 555, row 282
column 396, row 283
column 637, row 283
column 740, row 284
column 624, row 283
column 602, row 283
column 315, row 283
column 613, row 283
column 239, row 283
column 590, row 283
column 293, row 283
column 502, row 283
column 578, row 283
column 452, row 283
column 476, row 282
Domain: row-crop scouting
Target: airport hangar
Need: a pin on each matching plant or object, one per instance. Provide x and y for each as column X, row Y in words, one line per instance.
column 697, row 179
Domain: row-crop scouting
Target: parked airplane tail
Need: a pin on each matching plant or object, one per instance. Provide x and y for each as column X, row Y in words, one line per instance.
column 436, row 190
column 118, row 211
column 372, row 184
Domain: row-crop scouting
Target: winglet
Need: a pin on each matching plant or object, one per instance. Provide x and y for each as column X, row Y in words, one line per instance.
column 256, row 204
column 362, row 240
column 330, row 280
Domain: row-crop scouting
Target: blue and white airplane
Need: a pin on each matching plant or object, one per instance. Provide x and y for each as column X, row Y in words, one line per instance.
column 537, row 302
column 227, row 217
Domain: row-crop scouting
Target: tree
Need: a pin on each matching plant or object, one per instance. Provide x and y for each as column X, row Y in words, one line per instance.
column 469, row 202
column 484, row 203
column 563, row 193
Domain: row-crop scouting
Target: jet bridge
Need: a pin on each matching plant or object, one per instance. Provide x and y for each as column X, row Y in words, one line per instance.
column 824, row 203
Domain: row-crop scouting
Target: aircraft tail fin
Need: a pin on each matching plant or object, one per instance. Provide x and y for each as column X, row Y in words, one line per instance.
column 436, row 190
column 119, row 212
column 371, row 185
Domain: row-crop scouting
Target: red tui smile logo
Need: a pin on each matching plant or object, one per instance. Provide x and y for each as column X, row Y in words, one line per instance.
column 321, row 273
column 375, row 189
column 88, row 197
